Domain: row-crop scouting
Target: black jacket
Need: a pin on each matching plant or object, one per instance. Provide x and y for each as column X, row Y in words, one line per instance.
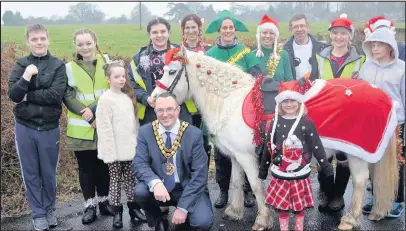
column 45, row 91
column 317, row 47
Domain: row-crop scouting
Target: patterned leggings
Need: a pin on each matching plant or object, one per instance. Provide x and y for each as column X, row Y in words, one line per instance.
column 120, row 172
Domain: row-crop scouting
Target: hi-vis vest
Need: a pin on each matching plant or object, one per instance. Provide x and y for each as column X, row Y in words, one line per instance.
column 326, row 72
column 87, row 92
column 190, row 105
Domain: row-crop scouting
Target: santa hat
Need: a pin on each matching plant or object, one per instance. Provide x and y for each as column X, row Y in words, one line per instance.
column 267, row 23
column 343, row 21
column 288, row 90
column 377, row 22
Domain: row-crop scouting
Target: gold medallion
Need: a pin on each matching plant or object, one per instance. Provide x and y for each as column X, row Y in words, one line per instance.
column 169, row 168
column 168, row 153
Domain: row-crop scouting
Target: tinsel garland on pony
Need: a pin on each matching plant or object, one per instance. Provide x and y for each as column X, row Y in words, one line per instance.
column 399, row 148
column 256, row 96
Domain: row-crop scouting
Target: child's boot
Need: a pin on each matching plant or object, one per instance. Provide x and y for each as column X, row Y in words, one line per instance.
column 118, row 216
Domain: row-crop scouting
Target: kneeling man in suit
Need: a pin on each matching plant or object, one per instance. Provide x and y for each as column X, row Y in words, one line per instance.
column 171, row 164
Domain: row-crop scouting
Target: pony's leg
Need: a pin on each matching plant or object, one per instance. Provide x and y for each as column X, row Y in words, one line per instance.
column 359, row 172
column 235, row 210
column 249, row 163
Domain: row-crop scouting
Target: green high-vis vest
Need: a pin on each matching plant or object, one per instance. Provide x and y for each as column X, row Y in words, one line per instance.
column 326, row 72
column 87, row 92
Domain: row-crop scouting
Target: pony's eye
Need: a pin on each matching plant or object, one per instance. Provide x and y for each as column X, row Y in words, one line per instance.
column 172, row 72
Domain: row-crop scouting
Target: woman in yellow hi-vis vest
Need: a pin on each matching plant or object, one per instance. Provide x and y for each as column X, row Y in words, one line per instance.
column 147, row 66
column 339, row 60
column 86, row 83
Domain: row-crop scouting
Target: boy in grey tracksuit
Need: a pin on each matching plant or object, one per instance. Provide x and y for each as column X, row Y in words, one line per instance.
column 37, row 84
column 385, row 70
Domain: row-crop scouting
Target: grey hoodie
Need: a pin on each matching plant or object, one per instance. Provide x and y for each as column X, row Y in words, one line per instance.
column 389, row 77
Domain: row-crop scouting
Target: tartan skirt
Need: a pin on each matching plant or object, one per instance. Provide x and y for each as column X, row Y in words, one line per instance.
column 294, row 195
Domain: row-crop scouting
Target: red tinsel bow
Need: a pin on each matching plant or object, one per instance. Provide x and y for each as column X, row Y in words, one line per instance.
column 174, row 54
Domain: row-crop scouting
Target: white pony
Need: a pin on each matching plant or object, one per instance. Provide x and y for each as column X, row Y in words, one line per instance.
column 219, row 89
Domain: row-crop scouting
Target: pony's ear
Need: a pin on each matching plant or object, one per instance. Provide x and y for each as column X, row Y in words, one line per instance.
column 182, row 52
column 202, row 20
column 180, row 23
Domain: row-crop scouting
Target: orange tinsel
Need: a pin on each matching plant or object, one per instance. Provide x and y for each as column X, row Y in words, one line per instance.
column 399, row 148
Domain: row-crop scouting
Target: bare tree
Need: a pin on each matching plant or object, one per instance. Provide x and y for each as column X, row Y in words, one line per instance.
column 86, row 13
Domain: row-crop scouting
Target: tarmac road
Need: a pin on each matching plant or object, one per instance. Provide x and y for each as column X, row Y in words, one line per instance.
column 69, row 217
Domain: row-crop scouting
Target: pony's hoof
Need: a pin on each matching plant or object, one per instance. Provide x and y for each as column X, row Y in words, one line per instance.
column 375, row 217
column 258, row 227
column 233, row 214
column 230, row 218
column 345, row 226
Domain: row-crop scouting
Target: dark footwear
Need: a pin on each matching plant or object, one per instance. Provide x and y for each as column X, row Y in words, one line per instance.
column 118, row 217
column 341, row 180
column 162, row 225
column 135, row 211
column 337, row 204
column 328, row 192
column 397, row 210
column 106, row 209
column 321, row 179
column 366, row 209
column 222, row 200
column 89, row 215
column 249, row 200
column 323, row 206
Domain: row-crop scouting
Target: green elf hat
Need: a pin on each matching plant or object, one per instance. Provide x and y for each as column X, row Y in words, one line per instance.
column 216, row 24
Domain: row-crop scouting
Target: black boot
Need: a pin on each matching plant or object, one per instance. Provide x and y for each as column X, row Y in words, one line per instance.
column 340, row 185
column 249, row 199
column 328, row 192
column 135, row 211
column 106, row 209
column 321, row 178
column 118, row 217
column 222, row 200
column 89, row 215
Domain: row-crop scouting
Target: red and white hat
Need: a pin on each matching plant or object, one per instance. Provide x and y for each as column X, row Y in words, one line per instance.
column 343, row 21
column 288, row 90
column 267, row 23
column 376, row 22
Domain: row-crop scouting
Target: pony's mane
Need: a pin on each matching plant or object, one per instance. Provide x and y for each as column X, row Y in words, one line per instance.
column 230, row 75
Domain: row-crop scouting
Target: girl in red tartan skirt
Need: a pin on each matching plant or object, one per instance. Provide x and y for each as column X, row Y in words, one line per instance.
column 290, row 145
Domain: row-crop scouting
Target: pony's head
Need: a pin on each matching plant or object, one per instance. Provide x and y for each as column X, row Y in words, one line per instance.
column 175, row 79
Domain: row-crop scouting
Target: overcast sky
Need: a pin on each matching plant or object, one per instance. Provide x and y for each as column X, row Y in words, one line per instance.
column 47, row 9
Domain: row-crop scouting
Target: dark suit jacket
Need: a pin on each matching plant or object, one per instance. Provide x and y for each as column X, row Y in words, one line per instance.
column 191, row 163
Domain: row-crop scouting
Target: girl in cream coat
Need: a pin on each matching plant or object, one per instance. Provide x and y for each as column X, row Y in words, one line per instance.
column 117, row 128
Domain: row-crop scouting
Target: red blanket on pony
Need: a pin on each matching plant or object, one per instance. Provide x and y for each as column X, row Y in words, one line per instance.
column 351, row 116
